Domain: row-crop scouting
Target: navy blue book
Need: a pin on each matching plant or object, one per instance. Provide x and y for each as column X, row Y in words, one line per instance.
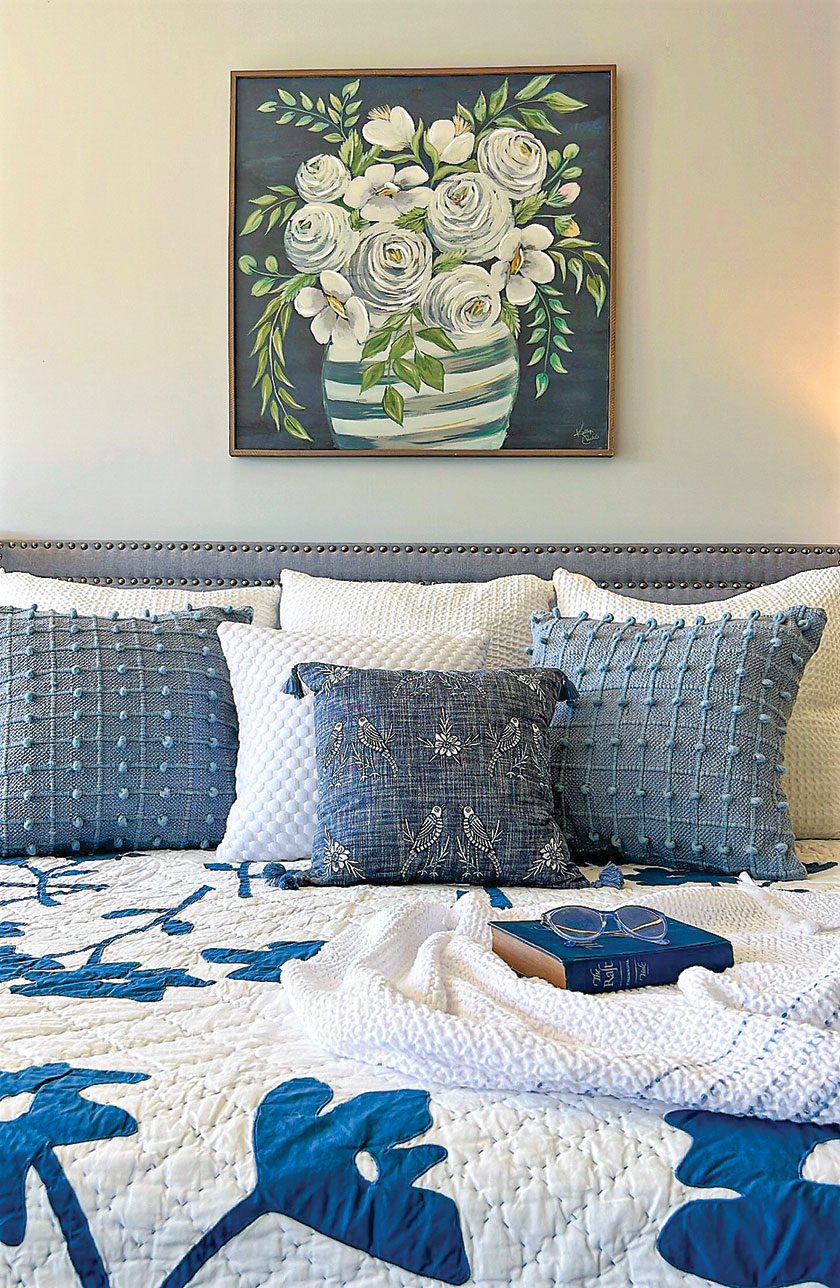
column 612, row 961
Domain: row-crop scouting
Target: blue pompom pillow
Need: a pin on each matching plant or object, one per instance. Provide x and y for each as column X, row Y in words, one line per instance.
column 435, row 776
column 114, row 734
column 673, row 750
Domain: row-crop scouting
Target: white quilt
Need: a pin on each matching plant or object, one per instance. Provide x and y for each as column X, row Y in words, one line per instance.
column 167, row 1119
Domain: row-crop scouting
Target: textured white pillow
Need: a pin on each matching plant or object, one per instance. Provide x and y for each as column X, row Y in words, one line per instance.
column 23, row 589
column 500, row 609
column 812, row 750
column 275, row 811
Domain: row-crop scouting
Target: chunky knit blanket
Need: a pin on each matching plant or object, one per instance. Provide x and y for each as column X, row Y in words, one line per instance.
column 417, row 988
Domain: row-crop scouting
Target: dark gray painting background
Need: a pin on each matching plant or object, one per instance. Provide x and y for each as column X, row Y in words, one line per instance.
column 267, row 154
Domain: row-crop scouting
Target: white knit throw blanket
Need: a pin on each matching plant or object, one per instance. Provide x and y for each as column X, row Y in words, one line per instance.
column 418, row 989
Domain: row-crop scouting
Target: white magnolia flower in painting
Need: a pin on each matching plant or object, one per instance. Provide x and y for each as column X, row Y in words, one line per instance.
column 515, row 160
column 569, row 192
column 383, row 192
column 390, row 128
column 322, row 178
column 452, row 139
column 463, row 301
column 469, row 216
column 523, row 262
column 336, row 313
column 319, row 237
column 391, row 267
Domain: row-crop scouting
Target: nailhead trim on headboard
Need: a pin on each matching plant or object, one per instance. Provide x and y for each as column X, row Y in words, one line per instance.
column 671, row 572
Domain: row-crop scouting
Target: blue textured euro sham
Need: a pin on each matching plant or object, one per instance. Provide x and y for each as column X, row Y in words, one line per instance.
column 673, row 751
column 435, row 776
column 114, row 734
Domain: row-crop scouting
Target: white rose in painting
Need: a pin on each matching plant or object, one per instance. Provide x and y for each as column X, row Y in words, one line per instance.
column 383, row 192
column 469, row 216
column 523, row 262
column 390, row 128
column 322, row 178
column 335, row 312
column 463, row 301
column 319, row 237
column 515, row 160
column 391, row 267
column 452, row 139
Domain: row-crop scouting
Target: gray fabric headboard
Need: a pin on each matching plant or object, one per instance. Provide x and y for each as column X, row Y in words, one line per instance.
column 676, row 573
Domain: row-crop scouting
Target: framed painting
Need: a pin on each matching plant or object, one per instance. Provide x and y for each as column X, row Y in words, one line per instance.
column 422, row 262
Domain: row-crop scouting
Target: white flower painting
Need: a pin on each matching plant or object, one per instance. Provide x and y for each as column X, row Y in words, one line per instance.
column 435, row 244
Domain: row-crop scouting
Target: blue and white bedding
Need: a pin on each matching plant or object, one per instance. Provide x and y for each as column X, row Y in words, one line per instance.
column 165, row 1120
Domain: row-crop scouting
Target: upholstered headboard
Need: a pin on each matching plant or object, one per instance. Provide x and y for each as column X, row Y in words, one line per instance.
column 676, row 573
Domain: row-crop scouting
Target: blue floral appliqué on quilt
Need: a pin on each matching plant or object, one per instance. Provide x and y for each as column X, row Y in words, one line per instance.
column 782, row 1229
column 306, row 1164
column 57, row 1115
column 264, row 965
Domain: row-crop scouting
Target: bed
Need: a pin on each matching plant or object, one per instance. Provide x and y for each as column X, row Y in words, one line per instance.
column 165, row 1119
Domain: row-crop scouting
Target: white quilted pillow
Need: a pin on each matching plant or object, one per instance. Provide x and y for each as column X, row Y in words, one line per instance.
column 275, row 810
column 500, row 609
column 23, row 589
column 812, row 750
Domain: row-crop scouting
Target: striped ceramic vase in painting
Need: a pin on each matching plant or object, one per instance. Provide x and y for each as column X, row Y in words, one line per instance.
column 471, row 413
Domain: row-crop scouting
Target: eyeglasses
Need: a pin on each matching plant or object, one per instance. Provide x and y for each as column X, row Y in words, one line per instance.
column 580, row 925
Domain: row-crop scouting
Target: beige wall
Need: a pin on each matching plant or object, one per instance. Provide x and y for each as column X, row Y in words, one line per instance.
column 113, row 381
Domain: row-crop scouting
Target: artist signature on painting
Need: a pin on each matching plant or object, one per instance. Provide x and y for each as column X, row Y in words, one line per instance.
column 585, row 436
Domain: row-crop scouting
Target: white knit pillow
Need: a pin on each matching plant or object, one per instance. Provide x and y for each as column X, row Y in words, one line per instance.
column 812, row 750
column 23, row 589
column 275, row 811
column 501, row 609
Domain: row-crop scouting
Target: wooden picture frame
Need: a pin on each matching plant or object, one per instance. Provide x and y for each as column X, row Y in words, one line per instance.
column 465, row 310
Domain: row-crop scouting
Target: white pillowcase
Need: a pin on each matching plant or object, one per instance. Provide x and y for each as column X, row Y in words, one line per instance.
column 812, row 747
column 501, row 609
column 275, row 811
column 23, row 589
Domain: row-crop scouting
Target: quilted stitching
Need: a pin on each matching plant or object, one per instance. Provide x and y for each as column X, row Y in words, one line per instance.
column 24, row 590
column 672, row 752
column 275, row 811
column 812, row 753
column 500, row 608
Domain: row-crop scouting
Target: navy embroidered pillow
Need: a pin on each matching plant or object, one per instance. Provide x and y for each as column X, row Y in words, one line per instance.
column 114, row 734
column 435, row 776
column 673, row 750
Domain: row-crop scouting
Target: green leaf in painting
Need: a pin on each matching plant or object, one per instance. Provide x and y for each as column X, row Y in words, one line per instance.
column 498, row 98
column 289, row 400
column 332, row 137
column 592, row 257
column 510, row 317
column 572, row 172
column 377, row 342
column 524, row 210
column 558, row 365
column 265, row 393
column 431, row 370
column 561, row 324
column 561, row 343
column 480, row 109
column 286, row 97
column 252, row 223
column 247, row 263
column 536, row 356
column 436, row 335
column 596, row 288
column 560, row 260
column 262, row 363
column 408, row 372
column 262, row 286
column 372, row 375
column 576, row 269
column 284, row 119
column 539, row 333
column 554, row 158
column 509, row 119
column 306, row 100
column 294, row 427
column 537, row 120
column 267, row 107
column 265, row 200
column 415, row 219
column 446, row 262
column 541, row 383
column 535, row 86
column 570, row 151
column 275, row 414
column 465, row 114
column 271, row 264
column 350, row 89
column 561, row 102
column 539, row 316
column 401, row 345
column 393, row 404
